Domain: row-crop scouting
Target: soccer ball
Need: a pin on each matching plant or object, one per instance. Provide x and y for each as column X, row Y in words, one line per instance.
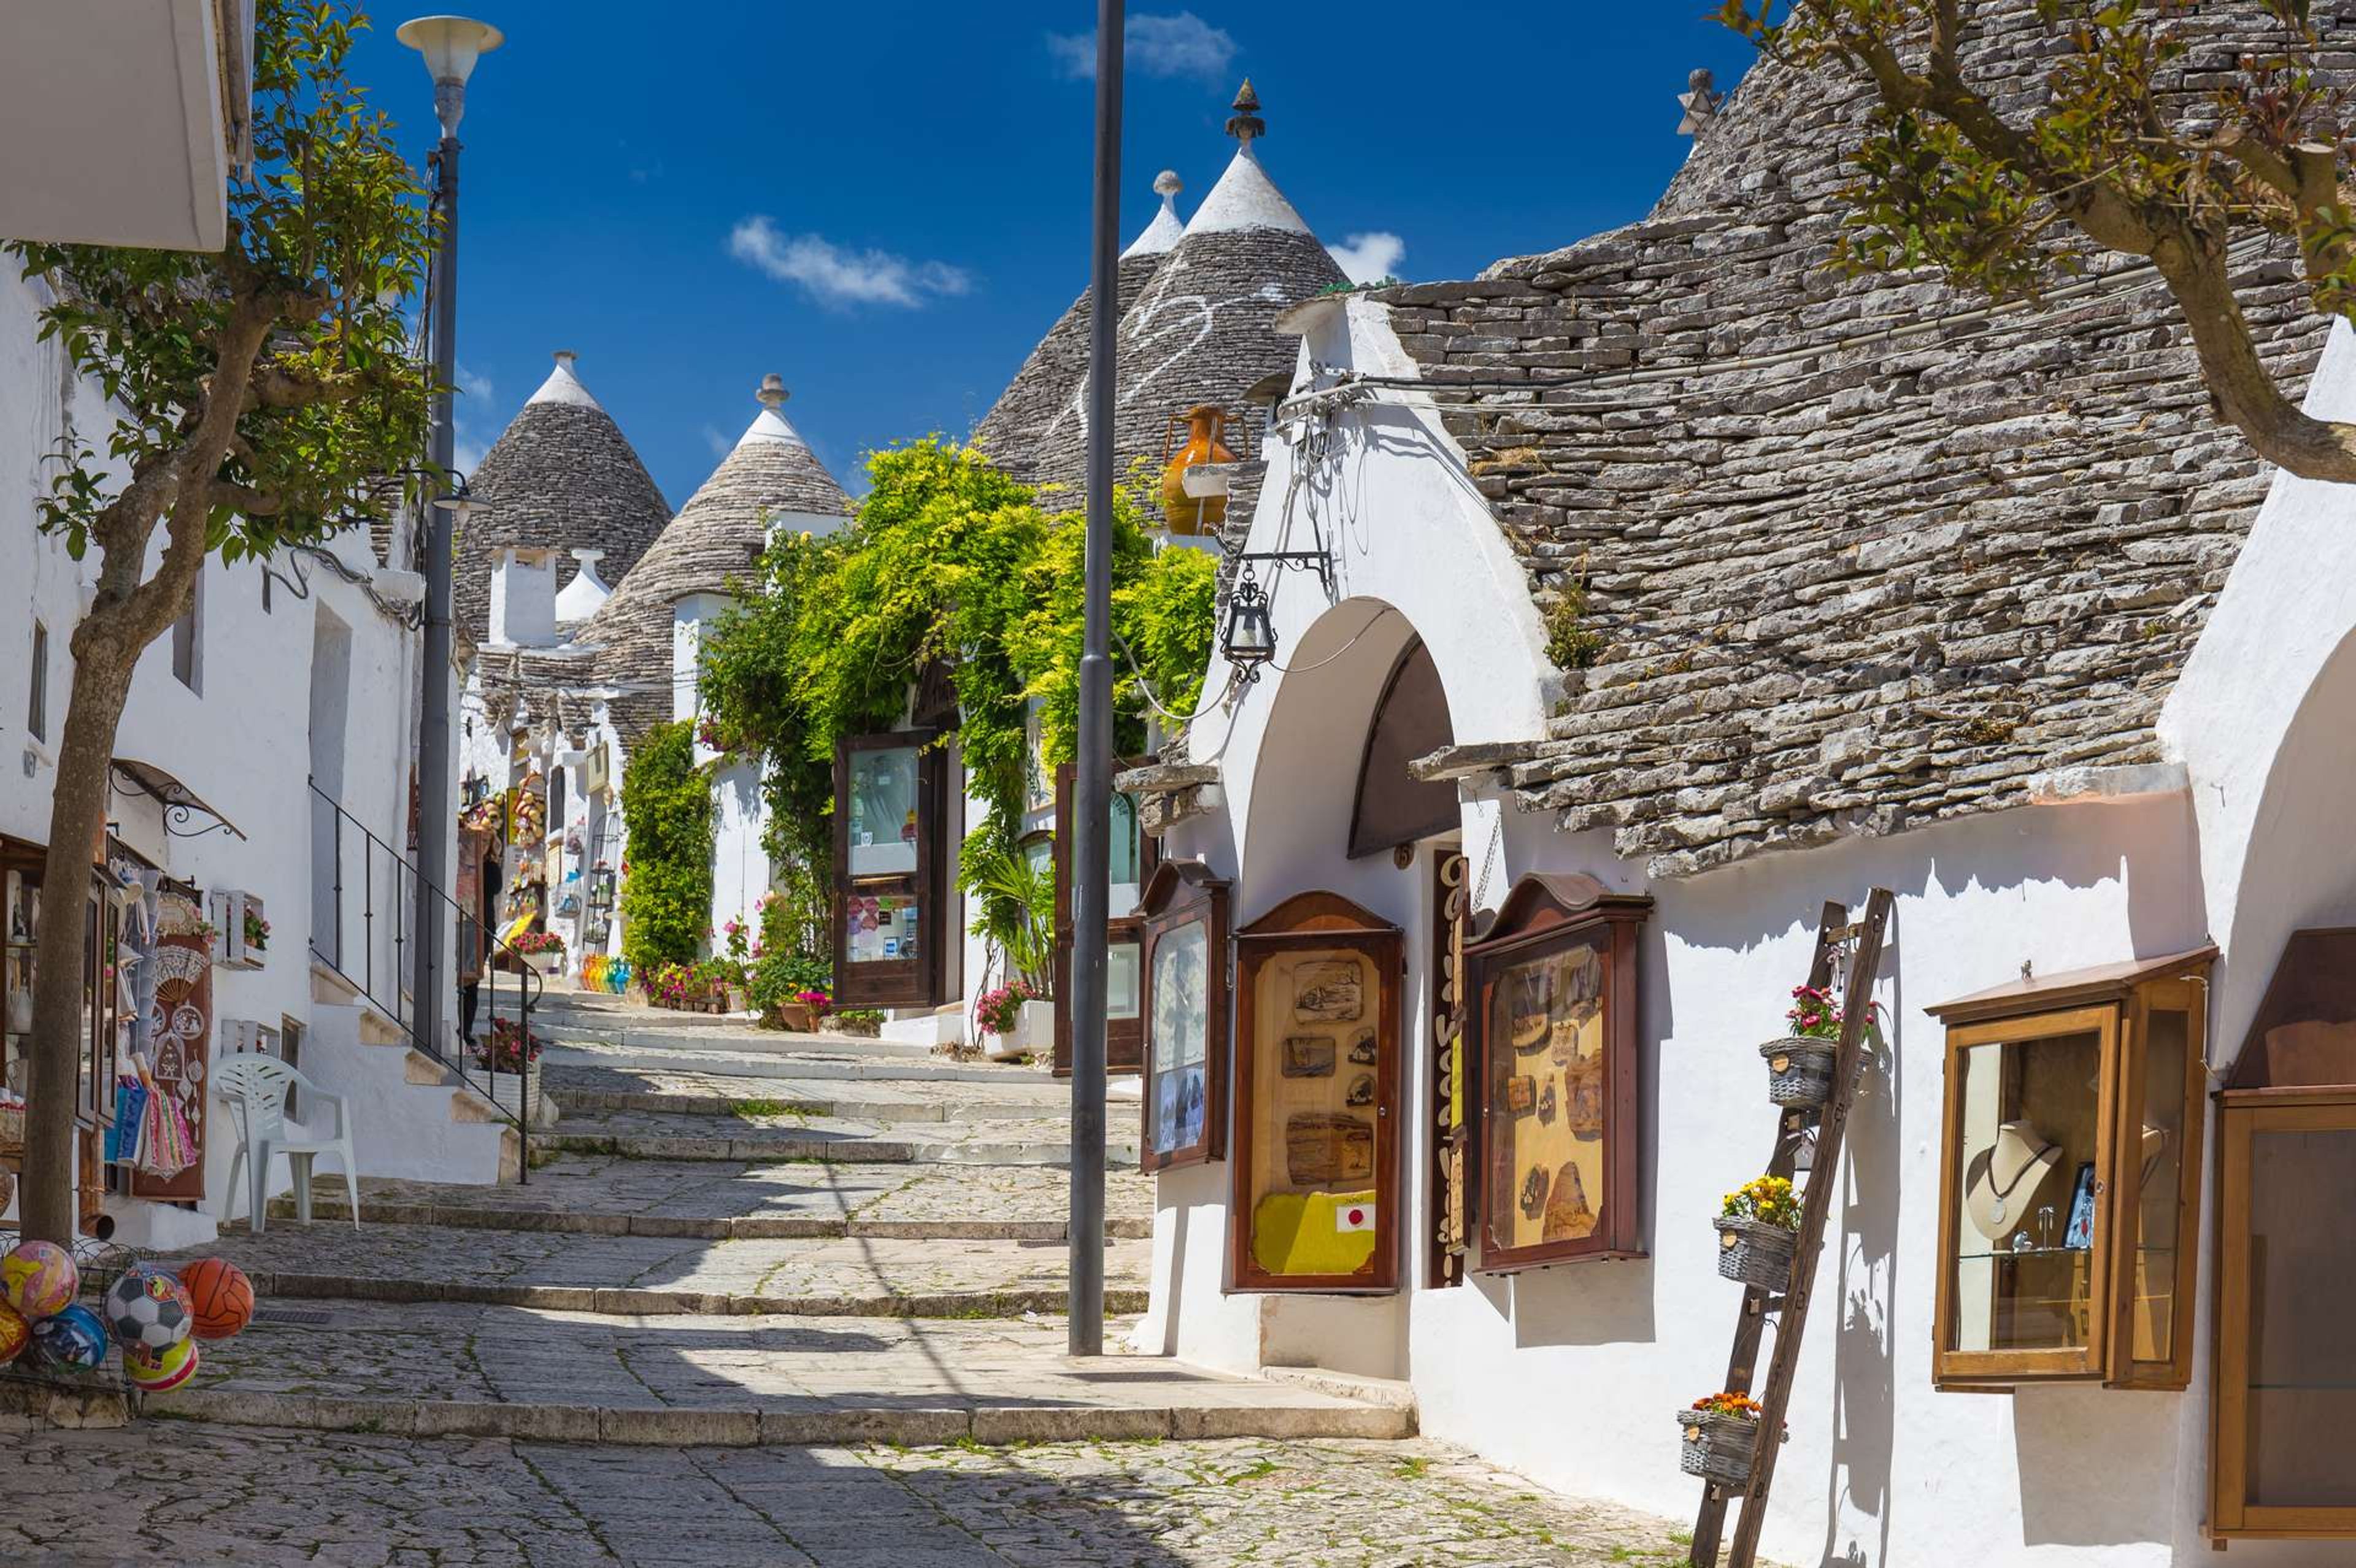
column 148, row 1309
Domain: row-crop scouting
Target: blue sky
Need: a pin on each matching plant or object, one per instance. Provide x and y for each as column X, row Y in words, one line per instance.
column 887, row 203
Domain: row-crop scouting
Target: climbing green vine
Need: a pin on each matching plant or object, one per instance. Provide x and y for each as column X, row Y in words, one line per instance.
column 667, row 811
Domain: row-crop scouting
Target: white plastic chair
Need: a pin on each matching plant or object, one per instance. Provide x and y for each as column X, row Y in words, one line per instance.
column 257, row 1086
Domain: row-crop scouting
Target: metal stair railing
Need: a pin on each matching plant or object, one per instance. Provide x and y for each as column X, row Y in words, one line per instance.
column 363, row 934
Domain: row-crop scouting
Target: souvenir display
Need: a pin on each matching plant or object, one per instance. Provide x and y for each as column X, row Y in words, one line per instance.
column 72, row 1338
column 160, row 1371
column 14, row 1334
column 1552, row 1001
column 149, row 1309
column 1183, row 917
column 1316, row 1151
column 222, row 1295
column 39, row 1278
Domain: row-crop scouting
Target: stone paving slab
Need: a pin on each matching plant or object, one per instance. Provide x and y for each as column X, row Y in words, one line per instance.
column 658, row 1274
column 671, row 1135
column 482, row 1370
column 834, row 1066
column 1019, row 1097
column 608, row 1195
column 275, row 1498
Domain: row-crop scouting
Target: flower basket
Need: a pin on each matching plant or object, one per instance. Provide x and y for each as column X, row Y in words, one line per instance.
column 548, row 961
column 1753, row 1253
column 1799, row 1070
column 518, row 1095
column 1718, row 1446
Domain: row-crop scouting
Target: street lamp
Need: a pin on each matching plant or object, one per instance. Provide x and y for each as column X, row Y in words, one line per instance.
column 451, row 45
column 1250, row 640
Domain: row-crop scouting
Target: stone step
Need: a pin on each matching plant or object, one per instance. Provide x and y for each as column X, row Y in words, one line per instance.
column 854, row 1276
column 445, row 1369
column 771, row 1147
column 586, row 1101
column 831, row 1067
column 712, row 1227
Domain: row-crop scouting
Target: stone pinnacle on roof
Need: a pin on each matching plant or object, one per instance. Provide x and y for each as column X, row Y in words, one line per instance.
column 1246, row 123
column 773, row 393
column 1164, row 231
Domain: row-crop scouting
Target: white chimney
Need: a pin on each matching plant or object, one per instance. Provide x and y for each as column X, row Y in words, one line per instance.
column 524, row 597
column 584, row 593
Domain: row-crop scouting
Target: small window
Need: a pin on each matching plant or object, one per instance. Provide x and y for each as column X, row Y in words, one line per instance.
column 37, row 712
column 188, row 642
column 2071, row 1163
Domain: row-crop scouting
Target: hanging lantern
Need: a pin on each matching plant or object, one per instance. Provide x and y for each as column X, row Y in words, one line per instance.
column 1195, row 480
column 1250, row 641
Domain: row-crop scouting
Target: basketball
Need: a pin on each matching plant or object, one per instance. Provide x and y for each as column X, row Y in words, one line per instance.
column 15, row 1333
column 39, row 1278
column 159, row 1371
column 223, row 1296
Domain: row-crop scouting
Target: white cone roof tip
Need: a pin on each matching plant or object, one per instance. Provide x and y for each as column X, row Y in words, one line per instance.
column 581, row 597
column 1245, row 198
column 770, row 424
column 1162, row 234
column 563, row 385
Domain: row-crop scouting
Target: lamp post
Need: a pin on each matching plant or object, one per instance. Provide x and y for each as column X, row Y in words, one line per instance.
column 451, row 45
column 1092, row 794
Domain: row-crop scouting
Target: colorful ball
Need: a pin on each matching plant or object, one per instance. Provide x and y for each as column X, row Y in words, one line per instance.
column 160, row 1371
column 15, row 1333
column 223, row 1296
column 74, row 1339
column 148, row 1309
column 39, row 1278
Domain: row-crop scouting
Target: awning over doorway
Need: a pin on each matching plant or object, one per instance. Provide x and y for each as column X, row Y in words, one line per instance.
column 181, row 806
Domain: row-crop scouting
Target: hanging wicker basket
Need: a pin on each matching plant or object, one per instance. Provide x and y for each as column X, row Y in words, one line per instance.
column 1718, row 1447
column 1799, row 1070
column 1751, row 1252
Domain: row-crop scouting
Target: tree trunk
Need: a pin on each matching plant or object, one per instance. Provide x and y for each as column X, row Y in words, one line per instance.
column 78, row 813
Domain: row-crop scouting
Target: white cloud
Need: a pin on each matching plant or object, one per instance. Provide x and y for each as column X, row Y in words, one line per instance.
column 474, row 385
column 720, row 444
column 1365, row 258
column 466, row 455
column 837, row 276
column 1179, row 44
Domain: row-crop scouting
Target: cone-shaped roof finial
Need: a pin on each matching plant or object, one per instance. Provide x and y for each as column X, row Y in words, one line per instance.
column 773, row 393
column 1246, row 123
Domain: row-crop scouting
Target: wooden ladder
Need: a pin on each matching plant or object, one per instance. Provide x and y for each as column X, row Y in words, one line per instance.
column 1861, row 945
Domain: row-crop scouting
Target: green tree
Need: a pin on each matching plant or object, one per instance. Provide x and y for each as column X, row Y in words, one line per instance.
column 667, row 814
column 264, row 392
column 2113, row 156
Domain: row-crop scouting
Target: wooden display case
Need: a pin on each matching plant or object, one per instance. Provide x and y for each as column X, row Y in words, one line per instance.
column 1553, row 993
column 891, row 858
column 2070, row 1178
column 2284, row 1384
column 1184, row 911
column 1315, row 1192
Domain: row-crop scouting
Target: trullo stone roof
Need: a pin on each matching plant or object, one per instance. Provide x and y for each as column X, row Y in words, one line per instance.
column 562, row 475
column 769, row 478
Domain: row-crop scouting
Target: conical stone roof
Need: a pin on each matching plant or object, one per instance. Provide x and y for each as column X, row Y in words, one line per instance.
column 770, row 478
column 1054, row 380
column 1204, row 329
column 561, row 474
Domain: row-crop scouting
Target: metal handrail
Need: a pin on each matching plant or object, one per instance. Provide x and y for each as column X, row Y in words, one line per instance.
column 380, row 981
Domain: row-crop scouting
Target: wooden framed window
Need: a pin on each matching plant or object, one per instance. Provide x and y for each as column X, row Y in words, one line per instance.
column 1316, row 1192
column 1131, row 861
column 891, row 829
column 1553, row 992
column 2285, row 1378
column 2069, row 1177
column 1184, row 912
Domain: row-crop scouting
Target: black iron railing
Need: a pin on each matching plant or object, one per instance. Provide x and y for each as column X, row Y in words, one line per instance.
column 363, row 901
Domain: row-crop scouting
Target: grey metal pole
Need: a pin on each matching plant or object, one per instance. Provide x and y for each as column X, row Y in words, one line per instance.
column 1092, row 796
column 433, row 766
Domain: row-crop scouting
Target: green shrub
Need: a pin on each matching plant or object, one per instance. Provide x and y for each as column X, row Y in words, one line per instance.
column 667, row 867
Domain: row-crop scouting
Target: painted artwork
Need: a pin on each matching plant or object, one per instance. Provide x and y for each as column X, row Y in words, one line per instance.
column 1179, row 1038
column 1545, row 1018
column 1329, row 992
column 179, row 1037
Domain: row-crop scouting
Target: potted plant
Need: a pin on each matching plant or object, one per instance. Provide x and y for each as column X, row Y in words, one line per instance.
column 257, row 932
column 999, row 1015
column 511, row 1060
column 543, row 950
column 1721, row 1430
column 1800, row 1066
column 1758, row 1232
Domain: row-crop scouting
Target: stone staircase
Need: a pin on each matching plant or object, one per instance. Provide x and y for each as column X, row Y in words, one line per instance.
column 736, row 1237
column 411, row 1116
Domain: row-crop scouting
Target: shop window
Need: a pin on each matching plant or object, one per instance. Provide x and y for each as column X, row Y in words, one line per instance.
column 1553, row 1000
column 891, row 853
column 2069, row 1171
column 1129, row 858
column 1184, row 912
column 2285, row 1367
column 1315, row 1184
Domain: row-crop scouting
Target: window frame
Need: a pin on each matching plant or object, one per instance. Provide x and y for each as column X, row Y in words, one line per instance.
column 892, row 983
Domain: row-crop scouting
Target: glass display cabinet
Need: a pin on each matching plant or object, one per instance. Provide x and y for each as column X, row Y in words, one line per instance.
column 1315, row 1188
column 891, row 826
column 1130, row 861
column 2285, row 1378
column 1553, row 993
column 2070, row 1177
column 1184, row 912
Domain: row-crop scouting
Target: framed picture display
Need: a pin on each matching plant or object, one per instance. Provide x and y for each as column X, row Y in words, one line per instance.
column 1184, row 912
column 1553, row 991
column 1315, row 1184
column 890, row 827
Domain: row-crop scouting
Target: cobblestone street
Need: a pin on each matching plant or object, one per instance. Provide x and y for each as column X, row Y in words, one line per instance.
column 751, row 1307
